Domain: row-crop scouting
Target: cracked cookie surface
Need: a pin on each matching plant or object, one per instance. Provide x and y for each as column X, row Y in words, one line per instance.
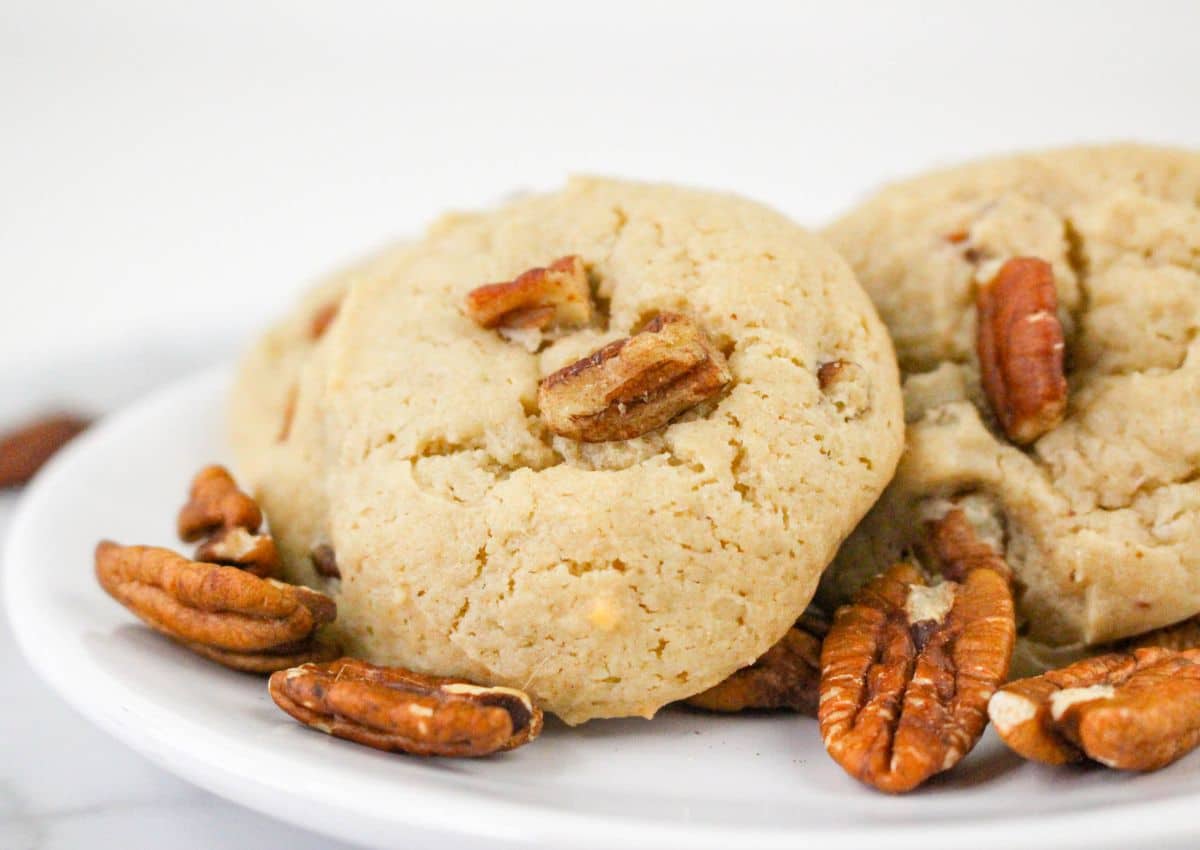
column 605, row 579
column 1100, row 513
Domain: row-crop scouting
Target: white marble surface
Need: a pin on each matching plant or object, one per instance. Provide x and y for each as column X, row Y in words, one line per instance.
column 64, row 785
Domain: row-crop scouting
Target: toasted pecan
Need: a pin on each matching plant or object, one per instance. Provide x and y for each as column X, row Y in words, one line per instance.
column 634, row 385
column 1020, row 346
column 1136, row 710
column 907, row 669
column 324, row 561
column 221, row 609
column 228, row 522
column 397, row 710
column 787, row 676
column 557, row 294
column 26, row 449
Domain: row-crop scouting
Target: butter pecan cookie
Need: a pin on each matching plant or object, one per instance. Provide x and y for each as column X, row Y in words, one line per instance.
column 1045, row 310
column 589, row 445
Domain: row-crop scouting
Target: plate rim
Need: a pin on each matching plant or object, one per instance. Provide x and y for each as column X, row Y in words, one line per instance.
column 438, row 811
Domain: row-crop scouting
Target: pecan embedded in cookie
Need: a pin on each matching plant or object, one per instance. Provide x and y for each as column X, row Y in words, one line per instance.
column 1020, row 347
column 634, row 385
column 557, row 294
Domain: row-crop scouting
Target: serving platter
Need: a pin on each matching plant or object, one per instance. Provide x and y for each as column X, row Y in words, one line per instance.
column 682, row 780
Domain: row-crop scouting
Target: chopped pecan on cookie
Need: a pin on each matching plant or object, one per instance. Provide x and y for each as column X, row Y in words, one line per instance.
column 324, row 561
column 1020, row 348
column 223, row 613
column 228, row 522
column 557, row 295
column 393, row 709
column 26, row 449
column 788, row 676
column 846, row 385
column 907, row 669
column 1136, row 710
column 634, row 385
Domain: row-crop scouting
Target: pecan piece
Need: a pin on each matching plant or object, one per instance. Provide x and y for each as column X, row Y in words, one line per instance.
column 557, row 294
column 907, row 671
column 1020, row 346
column 393, row 709
column 226, row 614
column 788, row 675
column 1135, row 710
column 632, row 386
column 322, row 319
column 845, row 384
column 26, row 449
column 324, row 561
column 228, row 522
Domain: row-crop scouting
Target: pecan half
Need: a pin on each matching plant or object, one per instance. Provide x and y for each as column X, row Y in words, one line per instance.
column 1020, row 346
column 557, row 294
column 787, row 676
column 632, row 386
column 26, row 449
column 1135, row 710
column 226, row 614
column 907, row 671
column 393, row 709
column 228, row 522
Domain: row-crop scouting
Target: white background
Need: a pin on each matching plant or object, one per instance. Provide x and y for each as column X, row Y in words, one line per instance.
column 194, row 163
column 178, row 170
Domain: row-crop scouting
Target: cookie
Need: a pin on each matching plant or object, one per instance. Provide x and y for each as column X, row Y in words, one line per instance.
column 1100, row 513
column 605, row 578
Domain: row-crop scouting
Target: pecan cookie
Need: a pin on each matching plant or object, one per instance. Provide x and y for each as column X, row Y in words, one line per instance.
column 590, row 445
column 1046, row 311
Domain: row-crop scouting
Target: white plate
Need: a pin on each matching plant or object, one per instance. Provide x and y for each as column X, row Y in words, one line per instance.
column 684, row 780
